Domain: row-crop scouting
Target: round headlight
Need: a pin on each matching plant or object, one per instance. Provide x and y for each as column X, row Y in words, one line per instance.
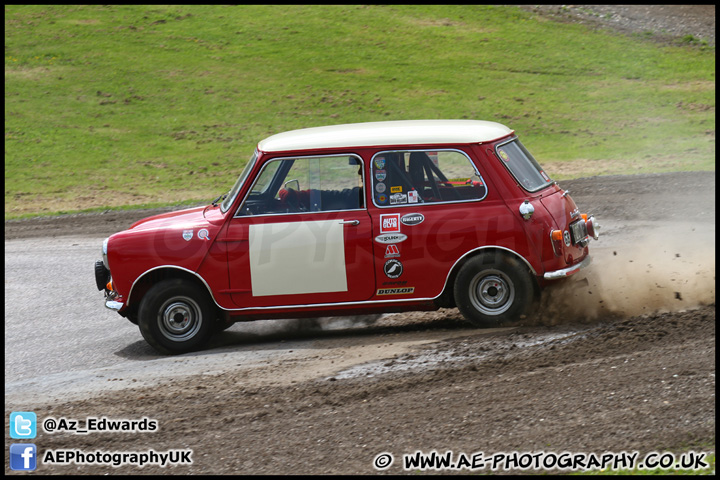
column 104, row 253
column 592, row 227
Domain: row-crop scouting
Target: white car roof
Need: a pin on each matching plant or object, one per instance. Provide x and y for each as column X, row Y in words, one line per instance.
column 400, row 132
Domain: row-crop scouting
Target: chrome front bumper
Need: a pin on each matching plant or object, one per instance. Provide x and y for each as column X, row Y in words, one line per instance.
column 113, row 305
column 566, row 272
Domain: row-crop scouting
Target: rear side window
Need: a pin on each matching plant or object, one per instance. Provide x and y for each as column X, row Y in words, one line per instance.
column 424, row 176
column 523, row 166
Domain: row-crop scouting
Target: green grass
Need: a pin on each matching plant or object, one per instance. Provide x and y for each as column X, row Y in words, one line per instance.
column 107, row 106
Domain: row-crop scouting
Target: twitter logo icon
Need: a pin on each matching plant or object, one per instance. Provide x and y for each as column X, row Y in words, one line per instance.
column 23, row 425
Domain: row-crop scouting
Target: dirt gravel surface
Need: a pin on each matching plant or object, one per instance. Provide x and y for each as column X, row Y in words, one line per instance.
column 614, row 361
column 666, row 23
column 622, row 359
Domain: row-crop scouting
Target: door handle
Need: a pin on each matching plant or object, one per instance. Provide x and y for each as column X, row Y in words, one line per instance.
column 350, row 222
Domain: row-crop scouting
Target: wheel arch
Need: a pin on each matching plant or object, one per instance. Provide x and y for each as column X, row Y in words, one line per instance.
column 447, row 292
column 166, row 272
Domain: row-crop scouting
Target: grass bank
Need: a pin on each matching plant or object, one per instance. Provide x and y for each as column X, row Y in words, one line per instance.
column 115, row 105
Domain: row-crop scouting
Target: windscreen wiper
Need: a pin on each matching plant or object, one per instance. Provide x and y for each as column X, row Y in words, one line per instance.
column 221, row 197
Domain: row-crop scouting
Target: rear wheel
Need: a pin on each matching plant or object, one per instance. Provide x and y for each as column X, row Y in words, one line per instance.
column 492, row 289
column 175, row 317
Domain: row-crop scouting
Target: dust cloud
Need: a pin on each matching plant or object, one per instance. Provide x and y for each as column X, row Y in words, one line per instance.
column 660, row 273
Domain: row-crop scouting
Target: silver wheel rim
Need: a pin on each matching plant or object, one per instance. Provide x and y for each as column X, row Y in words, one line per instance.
column 492, row 292
column 179, row 318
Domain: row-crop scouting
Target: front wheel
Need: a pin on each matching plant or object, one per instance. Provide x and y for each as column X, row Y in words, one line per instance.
column 176, row 317
column 491, row 290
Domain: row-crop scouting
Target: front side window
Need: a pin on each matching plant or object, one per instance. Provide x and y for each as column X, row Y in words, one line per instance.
column 523, row 166
column 309, row 184
column 424, row 176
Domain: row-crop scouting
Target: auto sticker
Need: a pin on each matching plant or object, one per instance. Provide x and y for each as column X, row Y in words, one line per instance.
column 413, row 196
column 380, row 188
column 390, row 223
column 398, row 198
column 382, row 198
column 392, row 251
column 380, row 163
column 380, row 175
column 187, row 235
column 504, row 155
column 391, row 238
column 412, row 219
column 393, row 268
column 397, row 189
column 204, row 234
column 396, row 291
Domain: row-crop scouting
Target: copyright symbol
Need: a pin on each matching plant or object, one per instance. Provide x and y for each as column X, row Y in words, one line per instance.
column 49, row 425
column 383, row 461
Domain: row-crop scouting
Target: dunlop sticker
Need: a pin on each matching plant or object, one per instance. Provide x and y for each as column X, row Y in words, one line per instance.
column 396, row 291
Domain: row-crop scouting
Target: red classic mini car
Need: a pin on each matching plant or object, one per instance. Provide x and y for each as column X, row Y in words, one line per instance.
column 353, row 219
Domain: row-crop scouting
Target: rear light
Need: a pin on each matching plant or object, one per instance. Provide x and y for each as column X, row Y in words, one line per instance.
column 556, row 239
column 109, row 286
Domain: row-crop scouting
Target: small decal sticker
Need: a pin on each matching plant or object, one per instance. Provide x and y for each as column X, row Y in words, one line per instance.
column 413, row 196
column 380, row 163
column 391, row 238
column 392, row 251
column 504, row 155
column 382, row 198
column 397, row 189
column 380, row 175
column 187, row 235
column 412, row 219
column 380, row 188
column 398, row 198
column 204, row 234
column 390, row 223
column 393, row 268
column 544, row 175
column 396, row 291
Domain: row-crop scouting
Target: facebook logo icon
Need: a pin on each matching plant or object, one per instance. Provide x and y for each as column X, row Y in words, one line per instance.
column 23, row 456
column 23, row 425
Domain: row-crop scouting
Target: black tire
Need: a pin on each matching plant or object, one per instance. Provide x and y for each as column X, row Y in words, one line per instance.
column 102, row 275
column 175, row 317
column 492, row 289
column 221, row 326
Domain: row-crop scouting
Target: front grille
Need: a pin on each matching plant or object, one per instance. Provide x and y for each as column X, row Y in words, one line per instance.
column 579, row 233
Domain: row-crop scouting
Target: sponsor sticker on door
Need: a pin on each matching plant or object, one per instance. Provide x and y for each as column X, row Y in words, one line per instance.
column 390, row 223
column 392, row 251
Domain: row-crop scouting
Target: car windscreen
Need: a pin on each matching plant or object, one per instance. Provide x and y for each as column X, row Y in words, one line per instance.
column 523, row 166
